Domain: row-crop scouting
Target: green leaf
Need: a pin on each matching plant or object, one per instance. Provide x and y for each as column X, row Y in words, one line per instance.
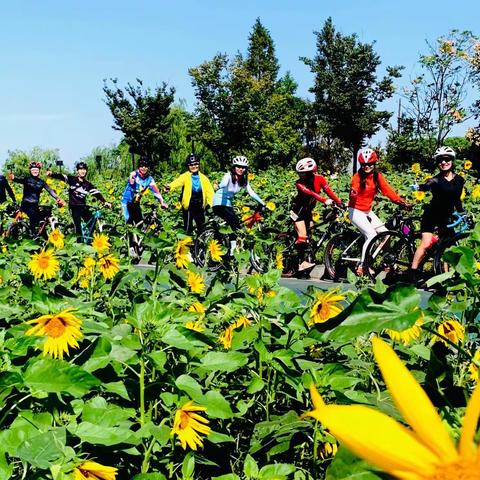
column 224, row 362
column 250, row 467
column 40, row 450
column 159, row 358
column 217, row 406
column 150, row 476
column 188, row 466
column 346, row 466
column 190, row 386
column 117, row 388
column 276, row 471
column 5, row 468
column 255, row 385
column 228, row 476
column 100, row 435
column 56, row 376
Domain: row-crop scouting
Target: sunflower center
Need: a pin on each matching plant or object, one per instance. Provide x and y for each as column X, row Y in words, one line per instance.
column 55, row 327
column 43, row 263
column 462, row 470
column 322, row 310
column 184, row 420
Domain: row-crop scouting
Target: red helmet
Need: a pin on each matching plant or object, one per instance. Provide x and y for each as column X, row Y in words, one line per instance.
column 306, row 165
column 367, row 156
column 35, row 165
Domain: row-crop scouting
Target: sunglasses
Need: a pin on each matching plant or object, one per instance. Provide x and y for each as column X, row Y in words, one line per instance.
column 444, row 160
column 238, row 166
column 193, row 164
column 366, row 165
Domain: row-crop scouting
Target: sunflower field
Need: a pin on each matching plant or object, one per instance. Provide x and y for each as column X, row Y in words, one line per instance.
column 114, row 372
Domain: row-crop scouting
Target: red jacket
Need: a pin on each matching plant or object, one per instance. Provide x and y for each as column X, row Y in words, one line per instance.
column 307, row 197
column 363, row 199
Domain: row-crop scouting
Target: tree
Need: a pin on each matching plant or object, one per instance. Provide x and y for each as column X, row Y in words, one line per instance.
column 436, row 97
column 244, row 108
column 142, row 116
column 18, row 160
column 347, row 91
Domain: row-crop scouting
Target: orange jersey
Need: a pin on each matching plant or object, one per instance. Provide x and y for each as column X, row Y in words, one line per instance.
column 362, row 199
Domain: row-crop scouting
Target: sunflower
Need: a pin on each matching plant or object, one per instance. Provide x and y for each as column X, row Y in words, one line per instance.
column 327, row 450
column 94, row 471
column 226, row 337
column 246, row 210
column 89, row 263
column 467, row 165
column 251, row 176
column 189, row 425
column 408, row 335
column 195, row 325
column 416, row 168
column 196, row 307
column 215, row 251
column 182, row 252
column 315, row 217
column 271, row 206
column 279, row 260
column 242, row 322
column 44, row 264
column 56, row 238
column 419, row 196
column 476, row 192
column 473, row 367
column 451, row 329
column 326, row 306
column 62, row 331
column 100, row 242
column 195, row 282
column 426, row 452
column 108, row 266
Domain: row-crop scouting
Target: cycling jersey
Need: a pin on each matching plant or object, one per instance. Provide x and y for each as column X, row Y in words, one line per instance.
column 307, row 197
column 362, row 199
column 446, row 197
column 78, row 189
column 32, row 188
column 194, row 186
column 138, row 185
column 4, row 189
column 227, row 190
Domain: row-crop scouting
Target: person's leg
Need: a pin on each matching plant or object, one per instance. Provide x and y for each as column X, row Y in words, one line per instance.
column 376, row 223
column 421, row 249
column 187, row 220
column 362, row 222
column 198, row 214
column 77, row 221
column 301, row 244
column 230, row 217
column 33, row 214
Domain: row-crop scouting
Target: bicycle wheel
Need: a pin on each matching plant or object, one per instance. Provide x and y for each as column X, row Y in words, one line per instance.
column 18, row 230
column 439, row 264
column 342, row 253
column 388, row 257
column 272, row 250
column 202, row 249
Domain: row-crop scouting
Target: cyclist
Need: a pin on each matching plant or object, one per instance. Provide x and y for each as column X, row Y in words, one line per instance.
column 232, row 182
column 446, row 188
column 197, row 193
column 4, row 189
column 309, row 185
column 138, row 183
column 79, row 188
column 32, row 188
column 365, row 185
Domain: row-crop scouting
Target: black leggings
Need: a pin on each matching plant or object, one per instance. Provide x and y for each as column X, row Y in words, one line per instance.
column 194, row 213
column 33, row 213
column 229, row 215
column 134, row 213
column 80, row 212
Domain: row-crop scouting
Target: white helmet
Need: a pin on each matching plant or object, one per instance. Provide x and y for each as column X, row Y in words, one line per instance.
column 306, row 165
column 240, row 161
column 367, row 156
column 444, row 152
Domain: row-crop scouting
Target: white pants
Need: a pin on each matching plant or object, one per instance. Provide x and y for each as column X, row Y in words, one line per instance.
column 368, row 223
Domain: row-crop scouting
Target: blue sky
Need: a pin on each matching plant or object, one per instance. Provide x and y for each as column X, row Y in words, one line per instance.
column 55, row 54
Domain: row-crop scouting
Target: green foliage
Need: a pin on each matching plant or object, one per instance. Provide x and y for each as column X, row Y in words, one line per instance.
column 347, row 91
column 142, row 116
column 18, row 160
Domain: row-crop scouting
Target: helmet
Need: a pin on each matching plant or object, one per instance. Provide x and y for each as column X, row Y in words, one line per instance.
column 240, row 161
column 306, row 165
column 367, row 156
column 81, row 165
column 34, row 165
column 143, row 162
column 444, row 152
column 191, row 159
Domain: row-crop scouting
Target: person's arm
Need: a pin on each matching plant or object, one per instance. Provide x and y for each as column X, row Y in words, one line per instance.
column 96, row 193
column 252, row 193
column 59, row 176
column 16, row 179
column 224, row 182
column 427, row 186
column 177, row 183
column 354, row 188
column 458, row 202
column 302, row 188
column 10, row 192
column 54, row 195
column 156, row 193
column 131, row 178
column 388, row 191
column 208, row 191
column 328, row 190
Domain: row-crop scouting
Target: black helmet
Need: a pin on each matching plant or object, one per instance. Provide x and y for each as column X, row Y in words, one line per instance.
column 143, row 162
column 81, row 165
column 191, row 159
column 35, row 165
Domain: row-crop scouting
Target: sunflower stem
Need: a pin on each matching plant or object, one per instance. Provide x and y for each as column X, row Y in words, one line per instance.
column 142, row 392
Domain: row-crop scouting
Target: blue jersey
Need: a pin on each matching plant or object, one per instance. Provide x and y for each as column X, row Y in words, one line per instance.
column 137, row 186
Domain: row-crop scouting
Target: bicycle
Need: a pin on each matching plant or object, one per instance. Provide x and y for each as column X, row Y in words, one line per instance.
column 19, row 227
column 136, row 234
column 388, row 252
column 272, row 248
column 88, row 228
column 216, row 231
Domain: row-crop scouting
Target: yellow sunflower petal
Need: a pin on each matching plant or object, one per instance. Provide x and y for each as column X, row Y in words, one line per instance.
column 413, row 402
column 316, row 397
column 377, row 438
column 469, row 427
